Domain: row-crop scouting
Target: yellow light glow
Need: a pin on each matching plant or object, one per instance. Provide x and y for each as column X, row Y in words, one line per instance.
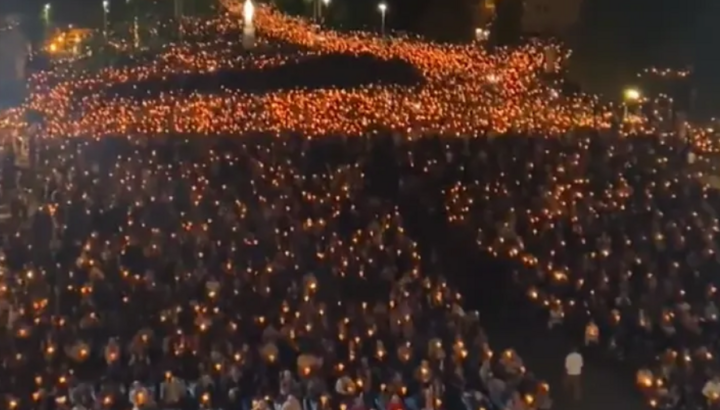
column 248, row 12
column 632, row 94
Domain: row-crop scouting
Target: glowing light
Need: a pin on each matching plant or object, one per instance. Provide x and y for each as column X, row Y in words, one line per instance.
column 632, row 94
column 248, row 12
column 481, row 34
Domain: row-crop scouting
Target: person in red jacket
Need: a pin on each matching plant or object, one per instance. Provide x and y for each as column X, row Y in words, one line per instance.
column 395, row 403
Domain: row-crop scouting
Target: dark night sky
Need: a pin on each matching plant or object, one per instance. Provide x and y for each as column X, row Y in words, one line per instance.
column 645, row 23
column 662, row 17
column 655, row 27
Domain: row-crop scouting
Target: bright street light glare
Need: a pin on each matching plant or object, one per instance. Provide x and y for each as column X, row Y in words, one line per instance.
column 47, row 7
column 248, row 12
column 382, row 7
column 326, row 2
column 632, row 94
column 481, row 34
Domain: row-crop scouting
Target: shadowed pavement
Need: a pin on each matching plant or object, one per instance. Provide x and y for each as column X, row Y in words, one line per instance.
column 487, row 286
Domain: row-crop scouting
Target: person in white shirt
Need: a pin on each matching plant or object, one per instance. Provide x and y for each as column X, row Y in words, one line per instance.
column 292, row 403
column 573, row 372
column 556, row 316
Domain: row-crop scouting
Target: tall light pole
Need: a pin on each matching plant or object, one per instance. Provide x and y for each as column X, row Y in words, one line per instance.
column 46, row 16
column 383, row 9
column 178, row 6
column 106, row 10
column 630, row 96
column 316, row 10
column 325, row 4
column 135, row 29
column 248, row 25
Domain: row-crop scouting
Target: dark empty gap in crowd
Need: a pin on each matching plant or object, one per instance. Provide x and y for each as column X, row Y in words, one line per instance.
column 338, row 71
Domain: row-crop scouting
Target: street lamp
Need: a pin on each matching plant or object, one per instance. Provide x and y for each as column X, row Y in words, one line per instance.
column 383, row 9
column 630, row 96
column 248, row 25
column 325, row 3
column 248, row 13
column 46, row 15
column 481, row 35
column 106, row 10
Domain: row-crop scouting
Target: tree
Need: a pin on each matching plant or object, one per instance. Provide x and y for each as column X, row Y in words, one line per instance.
column 507, row 27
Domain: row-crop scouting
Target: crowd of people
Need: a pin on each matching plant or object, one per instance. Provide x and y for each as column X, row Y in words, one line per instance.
column 233, row 273
column 155, row 263
column 616, row 239
column 466, row 91
column 225, row 248
column 245, row 270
